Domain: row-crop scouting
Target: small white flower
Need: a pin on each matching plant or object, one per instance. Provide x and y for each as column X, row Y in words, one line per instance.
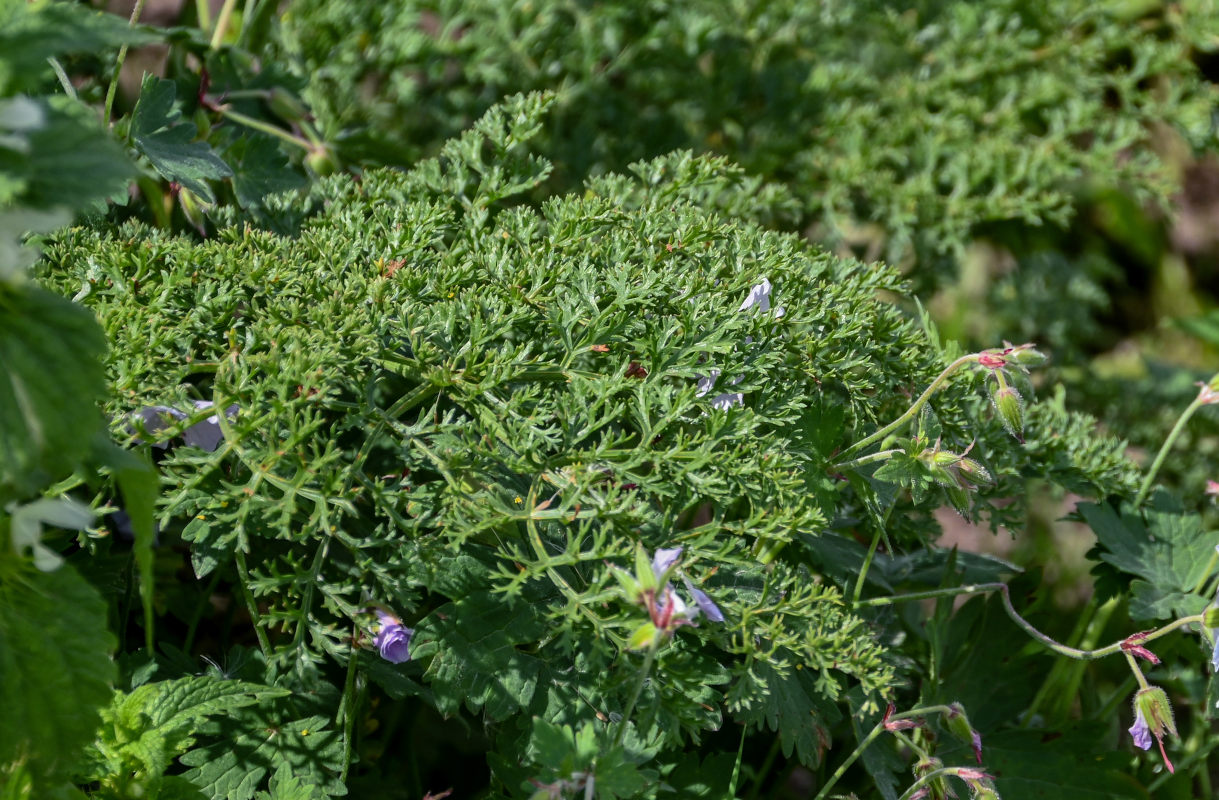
column 723, row 402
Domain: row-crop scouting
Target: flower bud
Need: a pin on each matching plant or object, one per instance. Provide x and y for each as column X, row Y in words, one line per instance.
column 958, row 725
column 1010, row 408
column 1026, row 355
column 936, row 788
column 1153, row 704
column 322, row 162
column 1152, row 717
column 972, row 471
column 193, row 209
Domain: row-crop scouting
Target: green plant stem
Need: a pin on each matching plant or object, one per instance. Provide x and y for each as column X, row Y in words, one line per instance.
column 764, row 770
column 914, row 409
column 1138, row 673
column 1206, row 573
column 867, row 563
column 1004, row 592
column 871, row 458
column 943, row 772
column 113, row 88
column 267, row 128
column 867, row 740
column 60, row 74
column 1173, row 435
column 203, row 15
column 735, row 780
column 348, row 707
column 198, row 615
column 648, row 659
column 222, row 23
column 243, row 577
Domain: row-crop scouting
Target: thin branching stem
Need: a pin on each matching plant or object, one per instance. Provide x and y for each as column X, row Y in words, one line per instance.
column 867, row 740
column 913, row 411
column 113, row 88
column 1005, row 595
column 1173, row 435
column 649, row 658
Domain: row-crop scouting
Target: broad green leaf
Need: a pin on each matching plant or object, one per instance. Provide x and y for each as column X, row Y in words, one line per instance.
column 30, row 33
column 73, row 162
column 260, row 168
column 1169, row 551
column 15, row 224
column 286, row 786
column 158, row 721
column 472, row 645
column 791, row 706
column 169, row 143
column 51, row 379
column 1053, row 765
column 234, row 768
column 138, row 482
column 55, row 666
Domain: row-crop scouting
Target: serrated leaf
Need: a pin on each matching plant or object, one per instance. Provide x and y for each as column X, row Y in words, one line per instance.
column 1037, row 765
column 234, row 768
column 73, row 162
column 31, row 33
column 169, row 143
column 286, row 786
column 472, row 646
column 55, row 666
column 792, row 707
column 51, row 378
column 260, row 168
column 1170, row 551
column 158, row 721
column 137, row 481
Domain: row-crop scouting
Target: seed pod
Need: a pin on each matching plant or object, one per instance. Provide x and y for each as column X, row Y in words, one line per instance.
column 1010, row 407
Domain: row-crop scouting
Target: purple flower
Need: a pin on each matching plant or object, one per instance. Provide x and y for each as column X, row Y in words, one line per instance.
column 664, row 558
column 393, row 639
column 1140, row 732
column 704, row 603
column 1215, row 652
column 205, row 435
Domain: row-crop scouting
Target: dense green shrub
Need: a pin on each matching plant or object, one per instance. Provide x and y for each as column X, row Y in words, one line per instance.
column 928, row 121
column 469, row 412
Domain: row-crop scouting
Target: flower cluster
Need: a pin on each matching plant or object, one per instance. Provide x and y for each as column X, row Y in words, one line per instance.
column 759, row 298
column 667, row 611
column 1007, row 400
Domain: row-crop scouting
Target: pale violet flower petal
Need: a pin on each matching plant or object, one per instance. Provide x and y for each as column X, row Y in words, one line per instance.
column 724, row 402
column 1215, row 652
column 1140, row 732
column 663, row 559
column 759, row 297
column 207, row 434
column 706, row 382
column 705, row 603
column 780, row 311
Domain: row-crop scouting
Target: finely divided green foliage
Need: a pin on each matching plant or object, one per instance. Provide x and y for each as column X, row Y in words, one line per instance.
column 466, row 409
column 926, row 120
column 437, row 399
